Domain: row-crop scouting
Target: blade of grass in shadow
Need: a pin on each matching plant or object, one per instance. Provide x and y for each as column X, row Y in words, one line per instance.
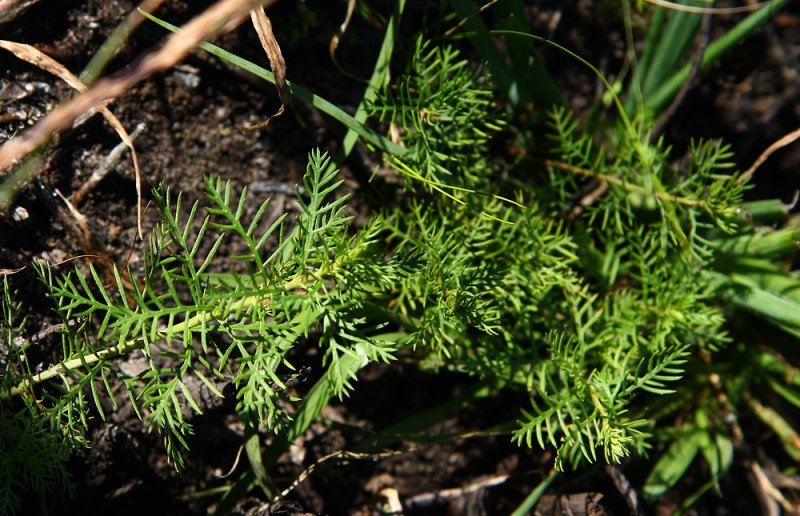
column 233, row 493
column 527, row 505
column 532, row 78
column 308, row 411
column 252, row 448
column 662, row 96
column 766, row 211
column 19, row 177
column 669, row 49
column 480, row 39
column 672, row 464
column 313, row 403
column 780, row 425
column 778, row 309
column 763, row 243
column 528, row 80
column 115, row 41
column 666, row 47
column 642, row 69
column 423, row 419
column 763, row 274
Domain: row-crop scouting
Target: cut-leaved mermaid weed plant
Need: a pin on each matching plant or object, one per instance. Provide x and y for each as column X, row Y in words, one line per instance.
column 599, row 275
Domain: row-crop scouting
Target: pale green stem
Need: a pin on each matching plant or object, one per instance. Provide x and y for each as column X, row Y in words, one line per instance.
column 126, row 347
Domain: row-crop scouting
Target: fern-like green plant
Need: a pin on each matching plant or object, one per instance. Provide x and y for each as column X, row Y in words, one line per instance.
column 447, row 112
column 186, row 321
column 611, row 318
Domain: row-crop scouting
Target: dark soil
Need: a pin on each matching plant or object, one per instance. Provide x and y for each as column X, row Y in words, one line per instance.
column 192, row 116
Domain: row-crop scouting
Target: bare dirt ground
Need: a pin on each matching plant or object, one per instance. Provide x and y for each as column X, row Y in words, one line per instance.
column 190, row 119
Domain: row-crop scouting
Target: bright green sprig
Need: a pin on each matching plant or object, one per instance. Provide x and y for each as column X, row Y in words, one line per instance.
column 447, row 112
column 175, row 313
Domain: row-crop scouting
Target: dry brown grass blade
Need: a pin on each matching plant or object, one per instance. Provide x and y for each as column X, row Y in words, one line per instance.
column 265, row 123
column 673, row 6
column 781, row 143
column 85, row 236
column 79, row 227
column 48, row 64
column 177, row 46
column 267, row 38
column 11, row 9
column 9, row 272
column 351, row 7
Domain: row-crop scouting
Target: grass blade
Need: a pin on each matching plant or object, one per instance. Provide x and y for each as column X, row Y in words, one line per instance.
column 299, row 92
column 664, row 94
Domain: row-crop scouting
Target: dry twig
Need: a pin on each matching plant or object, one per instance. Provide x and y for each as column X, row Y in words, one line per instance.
column 782, row 142
column 426, row 499
column 339, row 455
column 105, row 167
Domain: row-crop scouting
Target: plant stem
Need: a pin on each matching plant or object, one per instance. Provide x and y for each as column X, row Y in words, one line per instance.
column 614, row 180
column 122, row 348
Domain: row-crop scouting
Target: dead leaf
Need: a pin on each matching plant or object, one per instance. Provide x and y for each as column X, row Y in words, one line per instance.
column 270, row 45
column 264, row 30
column 351, row 7
column 86, row 238
column 265, row 123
